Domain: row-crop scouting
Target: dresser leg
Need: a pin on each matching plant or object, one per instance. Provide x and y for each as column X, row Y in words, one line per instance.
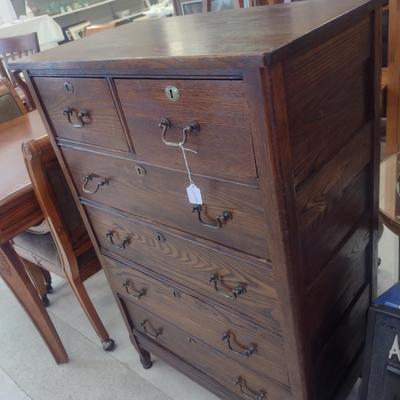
column 145, row 356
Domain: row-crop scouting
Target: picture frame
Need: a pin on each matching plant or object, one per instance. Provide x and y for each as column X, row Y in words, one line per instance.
column 187, row 7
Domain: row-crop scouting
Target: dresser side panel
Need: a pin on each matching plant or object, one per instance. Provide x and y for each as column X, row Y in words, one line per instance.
column 331, row 97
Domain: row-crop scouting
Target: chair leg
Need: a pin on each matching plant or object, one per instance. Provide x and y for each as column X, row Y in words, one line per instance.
column 90, row 311
column 38, row 279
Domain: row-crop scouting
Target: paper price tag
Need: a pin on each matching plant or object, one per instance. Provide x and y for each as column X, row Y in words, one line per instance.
column 194, row 194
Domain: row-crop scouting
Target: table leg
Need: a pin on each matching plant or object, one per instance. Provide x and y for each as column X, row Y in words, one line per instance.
column 15, row 276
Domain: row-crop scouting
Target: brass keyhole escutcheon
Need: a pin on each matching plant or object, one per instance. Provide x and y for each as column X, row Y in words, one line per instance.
column 172, row 93
column 68, row 87
column 140, row 170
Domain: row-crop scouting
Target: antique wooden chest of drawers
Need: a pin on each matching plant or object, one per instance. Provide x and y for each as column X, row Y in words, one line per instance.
column 258, row 290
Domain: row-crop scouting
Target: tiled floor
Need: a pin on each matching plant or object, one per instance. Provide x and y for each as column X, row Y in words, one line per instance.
column 27, row 370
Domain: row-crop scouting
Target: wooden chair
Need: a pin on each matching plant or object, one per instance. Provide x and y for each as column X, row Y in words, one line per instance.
column 12, row 48
column 11, row 105
column 67, row 250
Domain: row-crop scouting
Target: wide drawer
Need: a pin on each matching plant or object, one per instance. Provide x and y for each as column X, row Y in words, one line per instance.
column 160, row 195
column 240, row 339
column 223, row 144
column 234, row 376
column 239, row 284
column 82, row 110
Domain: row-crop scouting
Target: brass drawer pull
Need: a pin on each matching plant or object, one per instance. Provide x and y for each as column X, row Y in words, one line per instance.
column 165, row 124
column 121, row 245
column 137, row 294
column 248, row 393
column 81, row 116
column 155, row 335
column 219, row 220
column 233, row 294
column 246, row 352
column 89, row 178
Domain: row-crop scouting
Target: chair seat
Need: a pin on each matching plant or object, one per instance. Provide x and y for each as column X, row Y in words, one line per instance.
column 41, row 249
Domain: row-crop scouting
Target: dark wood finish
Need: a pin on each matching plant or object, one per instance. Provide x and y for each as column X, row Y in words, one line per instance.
column 223, row 145
column 210, row 324
column 12, row 48
column 305, row 93
column 20, row 210
column 158, row 197
column 101, row 123
column 188, row 262
column 41, row 161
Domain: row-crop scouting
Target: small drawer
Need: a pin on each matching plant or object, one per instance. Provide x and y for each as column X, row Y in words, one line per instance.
column 242, row 381
column 160, row 195
column 209, row 116
column 82, row 110
column 241, row 340
column 232, row 281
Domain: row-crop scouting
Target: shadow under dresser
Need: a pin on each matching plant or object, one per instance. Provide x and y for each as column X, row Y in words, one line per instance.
column 226, row 165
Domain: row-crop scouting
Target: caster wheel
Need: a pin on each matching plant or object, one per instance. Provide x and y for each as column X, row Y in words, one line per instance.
column 108, row 345
column 49, row 289
column 147, row 365
column 45, row 300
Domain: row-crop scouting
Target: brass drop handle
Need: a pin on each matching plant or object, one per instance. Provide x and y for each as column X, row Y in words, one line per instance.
column 231, row 294
column 88, row 178
column 121, row 245
column 137, row 294
column 219, row 219
column 165, row 124
column 156, row 332
column 248, row 393
column 245, row 352
column 81, row 116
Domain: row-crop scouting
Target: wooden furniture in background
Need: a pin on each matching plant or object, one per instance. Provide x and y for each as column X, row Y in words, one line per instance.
column 11, row 105
column 19, row 210
column 12, row 48
column 262, row 291
column 67, row 251
column 391, row 76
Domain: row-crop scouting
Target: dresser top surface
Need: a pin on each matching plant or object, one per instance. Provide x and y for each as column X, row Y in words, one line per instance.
column 246, row 37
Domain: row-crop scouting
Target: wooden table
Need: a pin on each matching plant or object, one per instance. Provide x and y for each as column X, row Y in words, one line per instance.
column 20, row 210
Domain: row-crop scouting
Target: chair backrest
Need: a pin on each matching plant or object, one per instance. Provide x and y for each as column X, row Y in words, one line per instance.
column 56, row 202
column 15, row 47
column 11, row 105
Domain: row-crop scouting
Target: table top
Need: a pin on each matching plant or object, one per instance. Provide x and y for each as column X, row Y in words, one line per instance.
column 14, row 175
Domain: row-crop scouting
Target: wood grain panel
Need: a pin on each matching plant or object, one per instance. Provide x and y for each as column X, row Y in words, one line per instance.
column 223, row 147
column 337, row 285
column 343, row 346
column 321, row 241
column 160, row 195
column 191, row 264
column 103, row 127
column 210, row 323
column 326, row 102
column 198, row 354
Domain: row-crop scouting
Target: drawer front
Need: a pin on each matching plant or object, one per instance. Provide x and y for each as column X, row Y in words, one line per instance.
column 231, row 281
column 223, row 143
column 160, row 195
column 243, row 341
column 233, row 375
column 82, row 110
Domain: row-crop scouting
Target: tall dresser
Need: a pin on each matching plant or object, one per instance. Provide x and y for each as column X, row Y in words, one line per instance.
column 226, row 168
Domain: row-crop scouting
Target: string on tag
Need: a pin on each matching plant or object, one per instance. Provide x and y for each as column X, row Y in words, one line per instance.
column 184, row 149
